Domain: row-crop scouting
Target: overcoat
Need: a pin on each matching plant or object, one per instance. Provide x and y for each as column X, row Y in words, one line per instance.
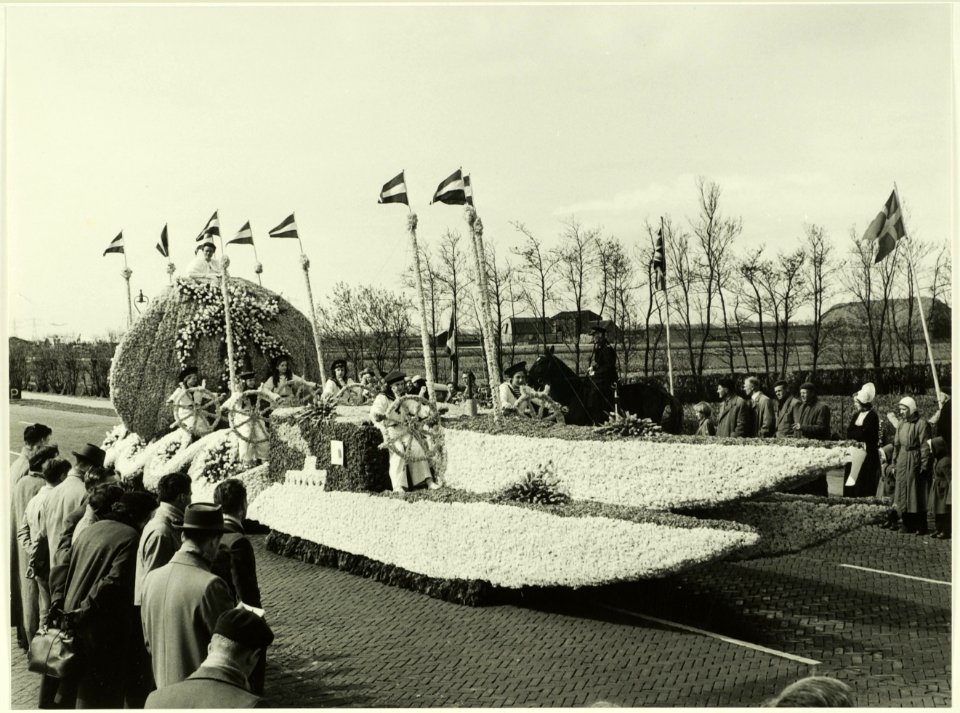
column 765, row 416
column 99, row 584
column 62, row 501
column 24, row 593
column 911, row 456
column 736, row 418
column 19, row 468
column 940, row 487
column 159, row 541
column 868, row 433
column 180, row 605
column 785, row 415
column 207, row 687
column 814, row 419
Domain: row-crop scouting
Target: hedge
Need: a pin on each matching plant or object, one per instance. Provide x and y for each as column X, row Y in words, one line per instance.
column 366, row 465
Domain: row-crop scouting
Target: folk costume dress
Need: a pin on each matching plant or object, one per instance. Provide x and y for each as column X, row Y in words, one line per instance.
column 333, row 387
column 288, row 388
column 509, row 395
column 865, row 428
column 911, row 457
column 182, row 398
column 410, row 470
column 241, row 410
column 200, row 268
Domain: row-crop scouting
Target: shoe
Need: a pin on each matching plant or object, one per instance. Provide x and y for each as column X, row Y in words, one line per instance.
column 905, row 531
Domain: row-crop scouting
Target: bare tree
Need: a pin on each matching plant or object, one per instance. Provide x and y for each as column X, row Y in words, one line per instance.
column 941, row 276
column 342, row 323
column 498, row 279
column 452, row 274
column 755, row 270
column 715, row 235
column 682, row 284
column 788, row 296
column 575, row 258
column 538, row 275
column 431, row 288
column 906, row 322
column 386, row 318
column 822, row 269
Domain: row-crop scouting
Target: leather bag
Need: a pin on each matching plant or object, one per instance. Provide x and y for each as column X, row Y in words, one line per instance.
column 53, row 653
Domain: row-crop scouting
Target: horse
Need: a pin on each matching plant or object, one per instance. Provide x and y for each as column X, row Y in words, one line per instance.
column 643, row 399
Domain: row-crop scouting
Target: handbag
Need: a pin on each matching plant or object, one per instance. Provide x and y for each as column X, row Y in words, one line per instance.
column 53, row 653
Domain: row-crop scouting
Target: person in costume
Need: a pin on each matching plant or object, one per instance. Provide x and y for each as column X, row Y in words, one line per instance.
column 602, row 372
column 338, row 379
column 418, row 387
column 865, row 428
column 911, row 455
column 284, row 383
column 940, row 488
column 514, row 386
column 254, row 439
column 184, row 399
column 205, row 266
column 409, row 470
column 369, row 379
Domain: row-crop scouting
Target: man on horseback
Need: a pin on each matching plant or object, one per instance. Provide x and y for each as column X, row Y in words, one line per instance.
column 603, row 374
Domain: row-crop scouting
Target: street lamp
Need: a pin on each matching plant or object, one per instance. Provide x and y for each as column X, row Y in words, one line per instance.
column 140, row 299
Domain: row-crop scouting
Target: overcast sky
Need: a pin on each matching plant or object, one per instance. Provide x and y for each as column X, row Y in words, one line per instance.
column 129, row 118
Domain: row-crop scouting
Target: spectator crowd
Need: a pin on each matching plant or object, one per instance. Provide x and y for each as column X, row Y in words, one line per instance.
column 159, row 594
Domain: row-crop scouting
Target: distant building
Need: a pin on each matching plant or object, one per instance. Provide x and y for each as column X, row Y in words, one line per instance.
column 938, row 314
column 524, row 330
column 566, row 324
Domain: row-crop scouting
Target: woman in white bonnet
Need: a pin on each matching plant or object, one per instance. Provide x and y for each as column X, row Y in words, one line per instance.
column 864, row 428
column 911, row 455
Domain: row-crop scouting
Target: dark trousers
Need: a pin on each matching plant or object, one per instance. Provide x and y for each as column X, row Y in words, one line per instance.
column 599, row 400
column 140, row 681
column 914, row 521
column 943, row 523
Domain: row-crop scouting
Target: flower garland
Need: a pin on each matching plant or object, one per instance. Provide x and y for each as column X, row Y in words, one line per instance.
column 468, row 539
column 219, row 462
column 637, row 472
column 115, row 434
column 254, row 480
column 248, row 313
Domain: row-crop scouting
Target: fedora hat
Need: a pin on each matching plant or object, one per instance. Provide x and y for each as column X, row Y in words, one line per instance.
column 91, row 454
column 514, row 368
column 202, row 517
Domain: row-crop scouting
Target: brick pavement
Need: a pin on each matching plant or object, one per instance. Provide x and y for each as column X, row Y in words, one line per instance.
column 345, row 641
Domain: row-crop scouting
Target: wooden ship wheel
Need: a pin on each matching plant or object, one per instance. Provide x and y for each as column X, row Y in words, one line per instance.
column 197, row 411
column 249, row 416
column 413, row 419
column 540, row 407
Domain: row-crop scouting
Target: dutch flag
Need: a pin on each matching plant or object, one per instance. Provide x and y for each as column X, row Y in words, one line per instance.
column 163, row 247
column 116, row 245
column 286, row 229
column 244, row 237
column 451, row 190
column 211, row 228
column 394, row 190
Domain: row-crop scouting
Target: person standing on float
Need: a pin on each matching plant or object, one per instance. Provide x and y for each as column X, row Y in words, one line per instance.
column 411, row 469
column 205, row 266
column 602, row 372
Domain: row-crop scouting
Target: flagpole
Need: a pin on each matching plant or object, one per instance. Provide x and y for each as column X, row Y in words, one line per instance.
column 258, row 268
column 170, row 270
column 422, row 298
column 666, row 299
column 305, row 264
column 127, row 272
column 916, row 284
column 224, row 276
column 486, row 321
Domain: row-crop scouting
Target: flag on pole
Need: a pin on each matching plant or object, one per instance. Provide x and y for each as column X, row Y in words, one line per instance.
column 467, row 190
column 286, row 229
column 212, row 228
column 163, row 247
column 887, row 228
column 116, row 245
column 451, row 190
column 244, row 237
column 394, row 190
column 659, row 263
column 452, row 334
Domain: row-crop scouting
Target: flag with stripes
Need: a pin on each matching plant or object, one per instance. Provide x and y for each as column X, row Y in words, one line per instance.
column 451, row 190
column 244, row 237
column 659, row 263
column 286, row 229
column 887, row 228
column 467, row 190
column 163, row 247
column 116, row 245
column 211, row 229
column 394, row 190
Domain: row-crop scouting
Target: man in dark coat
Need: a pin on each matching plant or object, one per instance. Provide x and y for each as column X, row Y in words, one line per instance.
column 736, row 416
column 764, row 412
column 785, row 407
column 181, row 601
column 944, row 421
column 236, row 562
column 812, row 416
column 239, row 640
column 602, row 373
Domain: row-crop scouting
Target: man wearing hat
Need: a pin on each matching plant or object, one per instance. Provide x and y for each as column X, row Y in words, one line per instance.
column 205, row 266
column 222, row 680
column 736, row 416
column 70, row 495
column 515, row 385
column 181, row 601
column 812, row 415
column 603, row 373
column 408, row 468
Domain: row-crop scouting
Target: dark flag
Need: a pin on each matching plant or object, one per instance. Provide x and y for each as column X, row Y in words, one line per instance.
column 887, row 228
column 451, row 190
column 452, row 334
column 468, row 190
column 659, row 263
column 163, row 247
column 212, row 228
column 244, row 237
column 116, row 245
column 286, row 229
column 394, row 190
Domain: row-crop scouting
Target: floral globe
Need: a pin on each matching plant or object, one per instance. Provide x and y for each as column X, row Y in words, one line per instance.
column 185, row 326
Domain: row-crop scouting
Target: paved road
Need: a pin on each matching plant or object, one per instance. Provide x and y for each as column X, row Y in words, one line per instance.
column 346, row 641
